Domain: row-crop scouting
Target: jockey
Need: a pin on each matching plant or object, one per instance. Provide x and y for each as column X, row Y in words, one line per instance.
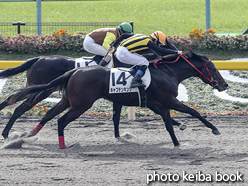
column 98, row 41
column 127, row 51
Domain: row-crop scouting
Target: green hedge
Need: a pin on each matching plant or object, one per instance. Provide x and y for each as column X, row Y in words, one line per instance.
column 35, row 44
column 212, row 42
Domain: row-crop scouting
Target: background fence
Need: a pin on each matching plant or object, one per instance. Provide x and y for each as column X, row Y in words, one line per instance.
column 11, row 29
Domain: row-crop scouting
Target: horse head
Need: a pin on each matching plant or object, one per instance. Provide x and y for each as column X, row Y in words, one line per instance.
column 210, row 74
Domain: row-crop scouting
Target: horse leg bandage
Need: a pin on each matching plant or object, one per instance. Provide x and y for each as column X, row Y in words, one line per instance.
column 62, row 142
column 35, row 130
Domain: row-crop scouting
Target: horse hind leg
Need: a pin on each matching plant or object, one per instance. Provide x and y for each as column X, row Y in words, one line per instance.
column 6, row 103
column 60, row 107
column 74, row 112
column 21, row 109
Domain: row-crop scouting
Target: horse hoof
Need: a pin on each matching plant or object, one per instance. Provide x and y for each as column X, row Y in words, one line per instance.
column 23, row 134
column 63, row 147
column 73, row 145
column 30, row 135
column 127, row 136
column 119, row 139
column 177, row 147
column 183, row 126
column 216, row 132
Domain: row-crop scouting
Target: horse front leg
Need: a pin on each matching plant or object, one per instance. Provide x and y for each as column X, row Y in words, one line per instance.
column 63, row 121
column 181, row 126
column 116, row 118
column 177, row 105
column 77, row 108
column 165, row 113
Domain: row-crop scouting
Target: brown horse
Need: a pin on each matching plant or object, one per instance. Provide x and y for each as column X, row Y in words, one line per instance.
column 82, row 87
column 44, row 69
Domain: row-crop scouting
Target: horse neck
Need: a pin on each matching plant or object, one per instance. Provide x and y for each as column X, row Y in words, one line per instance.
column 181, row 70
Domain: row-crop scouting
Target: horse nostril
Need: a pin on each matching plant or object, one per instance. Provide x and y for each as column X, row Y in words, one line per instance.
column 226, row 85
column 215, row 83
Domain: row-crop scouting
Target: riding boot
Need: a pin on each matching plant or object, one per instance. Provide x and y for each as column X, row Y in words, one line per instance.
column 103, row 63
column 97, row 58
column 136, row 81
column 105, row 60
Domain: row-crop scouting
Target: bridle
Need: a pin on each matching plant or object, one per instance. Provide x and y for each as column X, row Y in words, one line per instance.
column 213, row 82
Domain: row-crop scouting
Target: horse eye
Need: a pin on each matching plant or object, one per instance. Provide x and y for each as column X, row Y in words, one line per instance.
column 214, row 70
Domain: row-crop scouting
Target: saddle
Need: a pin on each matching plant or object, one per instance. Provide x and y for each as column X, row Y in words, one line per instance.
column 89, row 58
column 95, row 58
column 90, row 61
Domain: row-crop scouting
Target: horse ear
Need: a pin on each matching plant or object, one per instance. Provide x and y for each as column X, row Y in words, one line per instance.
column 200, row 56
column 192, row 54
column 189, row 53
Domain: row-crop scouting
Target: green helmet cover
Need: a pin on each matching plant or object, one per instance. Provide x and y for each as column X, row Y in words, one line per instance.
column 125, row 27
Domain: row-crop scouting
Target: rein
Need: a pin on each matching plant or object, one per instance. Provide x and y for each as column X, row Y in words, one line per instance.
column 201, row 73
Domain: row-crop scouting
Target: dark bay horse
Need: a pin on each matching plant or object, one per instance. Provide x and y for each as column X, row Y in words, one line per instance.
column 82, row 87
column 42, row 70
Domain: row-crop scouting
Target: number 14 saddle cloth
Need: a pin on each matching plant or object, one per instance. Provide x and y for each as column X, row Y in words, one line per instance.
column 120, row 82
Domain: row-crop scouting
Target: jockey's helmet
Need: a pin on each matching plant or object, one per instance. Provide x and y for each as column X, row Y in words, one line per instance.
column 159, row 36
column 125, row 27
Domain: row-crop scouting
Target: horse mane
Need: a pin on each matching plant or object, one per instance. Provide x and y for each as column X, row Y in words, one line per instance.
column 170, row 57
column 173, row 57
column 192, row 55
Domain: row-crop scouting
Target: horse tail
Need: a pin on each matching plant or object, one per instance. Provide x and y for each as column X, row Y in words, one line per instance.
column 21, row 68
column 60, row 81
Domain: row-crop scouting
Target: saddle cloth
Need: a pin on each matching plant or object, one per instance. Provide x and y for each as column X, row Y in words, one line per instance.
column 87, row 61
column 120, row 81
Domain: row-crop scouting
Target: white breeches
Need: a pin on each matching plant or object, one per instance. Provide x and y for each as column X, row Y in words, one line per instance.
column 92, row 47
column 127, row 57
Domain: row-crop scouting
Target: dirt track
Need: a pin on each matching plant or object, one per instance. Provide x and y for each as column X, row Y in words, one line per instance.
column 97, row 158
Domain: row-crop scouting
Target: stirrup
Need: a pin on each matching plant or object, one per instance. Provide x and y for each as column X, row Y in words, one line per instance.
column 137, row 84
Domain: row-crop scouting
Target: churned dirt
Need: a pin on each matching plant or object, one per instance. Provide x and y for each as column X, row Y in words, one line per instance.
column 145, row 154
